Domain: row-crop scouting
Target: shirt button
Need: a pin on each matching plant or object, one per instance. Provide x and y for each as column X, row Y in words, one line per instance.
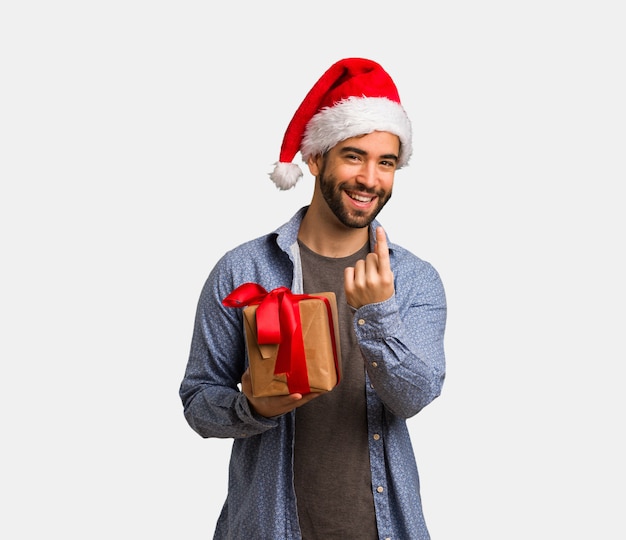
column 361, row 322
column 376, row 436
column 374, row 364
column 379, row 489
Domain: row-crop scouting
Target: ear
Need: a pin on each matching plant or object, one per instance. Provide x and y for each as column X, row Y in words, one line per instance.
column 314, row 164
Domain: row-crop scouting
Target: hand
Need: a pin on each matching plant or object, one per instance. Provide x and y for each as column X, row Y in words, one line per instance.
column 370, row 280
column 273, row 405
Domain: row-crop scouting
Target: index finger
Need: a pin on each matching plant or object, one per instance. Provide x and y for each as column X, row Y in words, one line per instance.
column 382, row 248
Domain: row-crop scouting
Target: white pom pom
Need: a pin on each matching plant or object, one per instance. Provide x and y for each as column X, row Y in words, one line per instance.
column 285, row 175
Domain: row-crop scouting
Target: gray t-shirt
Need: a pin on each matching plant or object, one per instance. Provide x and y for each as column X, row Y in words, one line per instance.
column 331, row 463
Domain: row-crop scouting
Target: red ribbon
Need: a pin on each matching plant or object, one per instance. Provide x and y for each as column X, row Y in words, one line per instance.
column 278, row 322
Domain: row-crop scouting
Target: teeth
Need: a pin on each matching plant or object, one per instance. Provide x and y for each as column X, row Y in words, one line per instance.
column 360, row 198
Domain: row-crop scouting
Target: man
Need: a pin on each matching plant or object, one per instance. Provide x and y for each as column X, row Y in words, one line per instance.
column 338, row 464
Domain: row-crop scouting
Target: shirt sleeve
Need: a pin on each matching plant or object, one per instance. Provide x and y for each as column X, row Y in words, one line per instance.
column 213, row 403
column 401, row 340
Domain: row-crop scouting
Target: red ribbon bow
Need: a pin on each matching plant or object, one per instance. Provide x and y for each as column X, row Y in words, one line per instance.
column 278, row 322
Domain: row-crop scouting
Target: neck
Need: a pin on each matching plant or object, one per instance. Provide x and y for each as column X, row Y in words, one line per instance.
column 324, row 234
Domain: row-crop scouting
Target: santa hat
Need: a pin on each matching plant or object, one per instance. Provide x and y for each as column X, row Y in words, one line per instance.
column 354, row 97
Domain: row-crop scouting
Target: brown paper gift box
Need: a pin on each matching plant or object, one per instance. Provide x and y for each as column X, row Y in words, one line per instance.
column 322, row 372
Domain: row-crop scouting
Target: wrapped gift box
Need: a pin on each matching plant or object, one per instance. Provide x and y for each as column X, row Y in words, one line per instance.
column 310, row 359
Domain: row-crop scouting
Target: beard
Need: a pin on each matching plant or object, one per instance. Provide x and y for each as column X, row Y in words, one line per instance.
column 353, row 218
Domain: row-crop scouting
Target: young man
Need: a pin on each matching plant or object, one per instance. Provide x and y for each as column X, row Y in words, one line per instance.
column 334, row 465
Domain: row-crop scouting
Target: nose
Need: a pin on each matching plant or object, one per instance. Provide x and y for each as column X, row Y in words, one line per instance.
column 367, row 175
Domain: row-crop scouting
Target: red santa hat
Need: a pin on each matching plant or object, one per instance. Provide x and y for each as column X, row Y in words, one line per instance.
column 354, row 97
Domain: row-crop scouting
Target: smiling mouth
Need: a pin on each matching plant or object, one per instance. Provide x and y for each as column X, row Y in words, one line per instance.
column 359, row 198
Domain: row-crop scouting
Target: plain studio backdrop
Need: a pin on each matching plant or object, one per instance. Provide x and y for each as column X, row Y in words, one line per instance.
column 135, row 142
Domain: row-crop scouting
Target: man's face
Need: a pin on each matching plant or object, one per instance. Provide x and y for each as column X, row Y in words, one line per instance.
column 356, row 177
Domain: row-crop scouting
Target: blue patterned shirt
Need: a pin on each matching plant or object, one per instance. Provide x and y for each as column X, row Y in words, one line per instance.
column 401, row 340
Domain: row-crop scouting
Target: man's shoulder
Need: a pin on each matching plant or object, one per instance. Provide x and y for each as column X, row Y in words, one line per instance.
column 256, row 247
column 405, row 262
column 280, row 238
column 405, row 255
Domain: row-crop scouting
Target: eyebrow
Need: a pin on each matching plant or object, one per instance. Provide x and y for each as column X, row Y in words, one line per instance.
column 361, row 152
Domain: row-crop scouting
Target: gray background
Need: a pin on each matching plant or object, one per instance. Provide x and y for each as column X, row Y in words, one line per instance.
column 135, row 142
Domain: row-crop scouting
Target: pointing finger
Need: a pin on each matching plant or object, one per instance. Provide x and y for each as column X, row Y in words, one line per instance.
column 382, row 250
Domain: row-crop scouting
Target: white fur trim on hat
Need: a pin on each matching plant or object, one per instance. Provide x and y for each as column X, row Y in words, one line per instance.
column 355, row 116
